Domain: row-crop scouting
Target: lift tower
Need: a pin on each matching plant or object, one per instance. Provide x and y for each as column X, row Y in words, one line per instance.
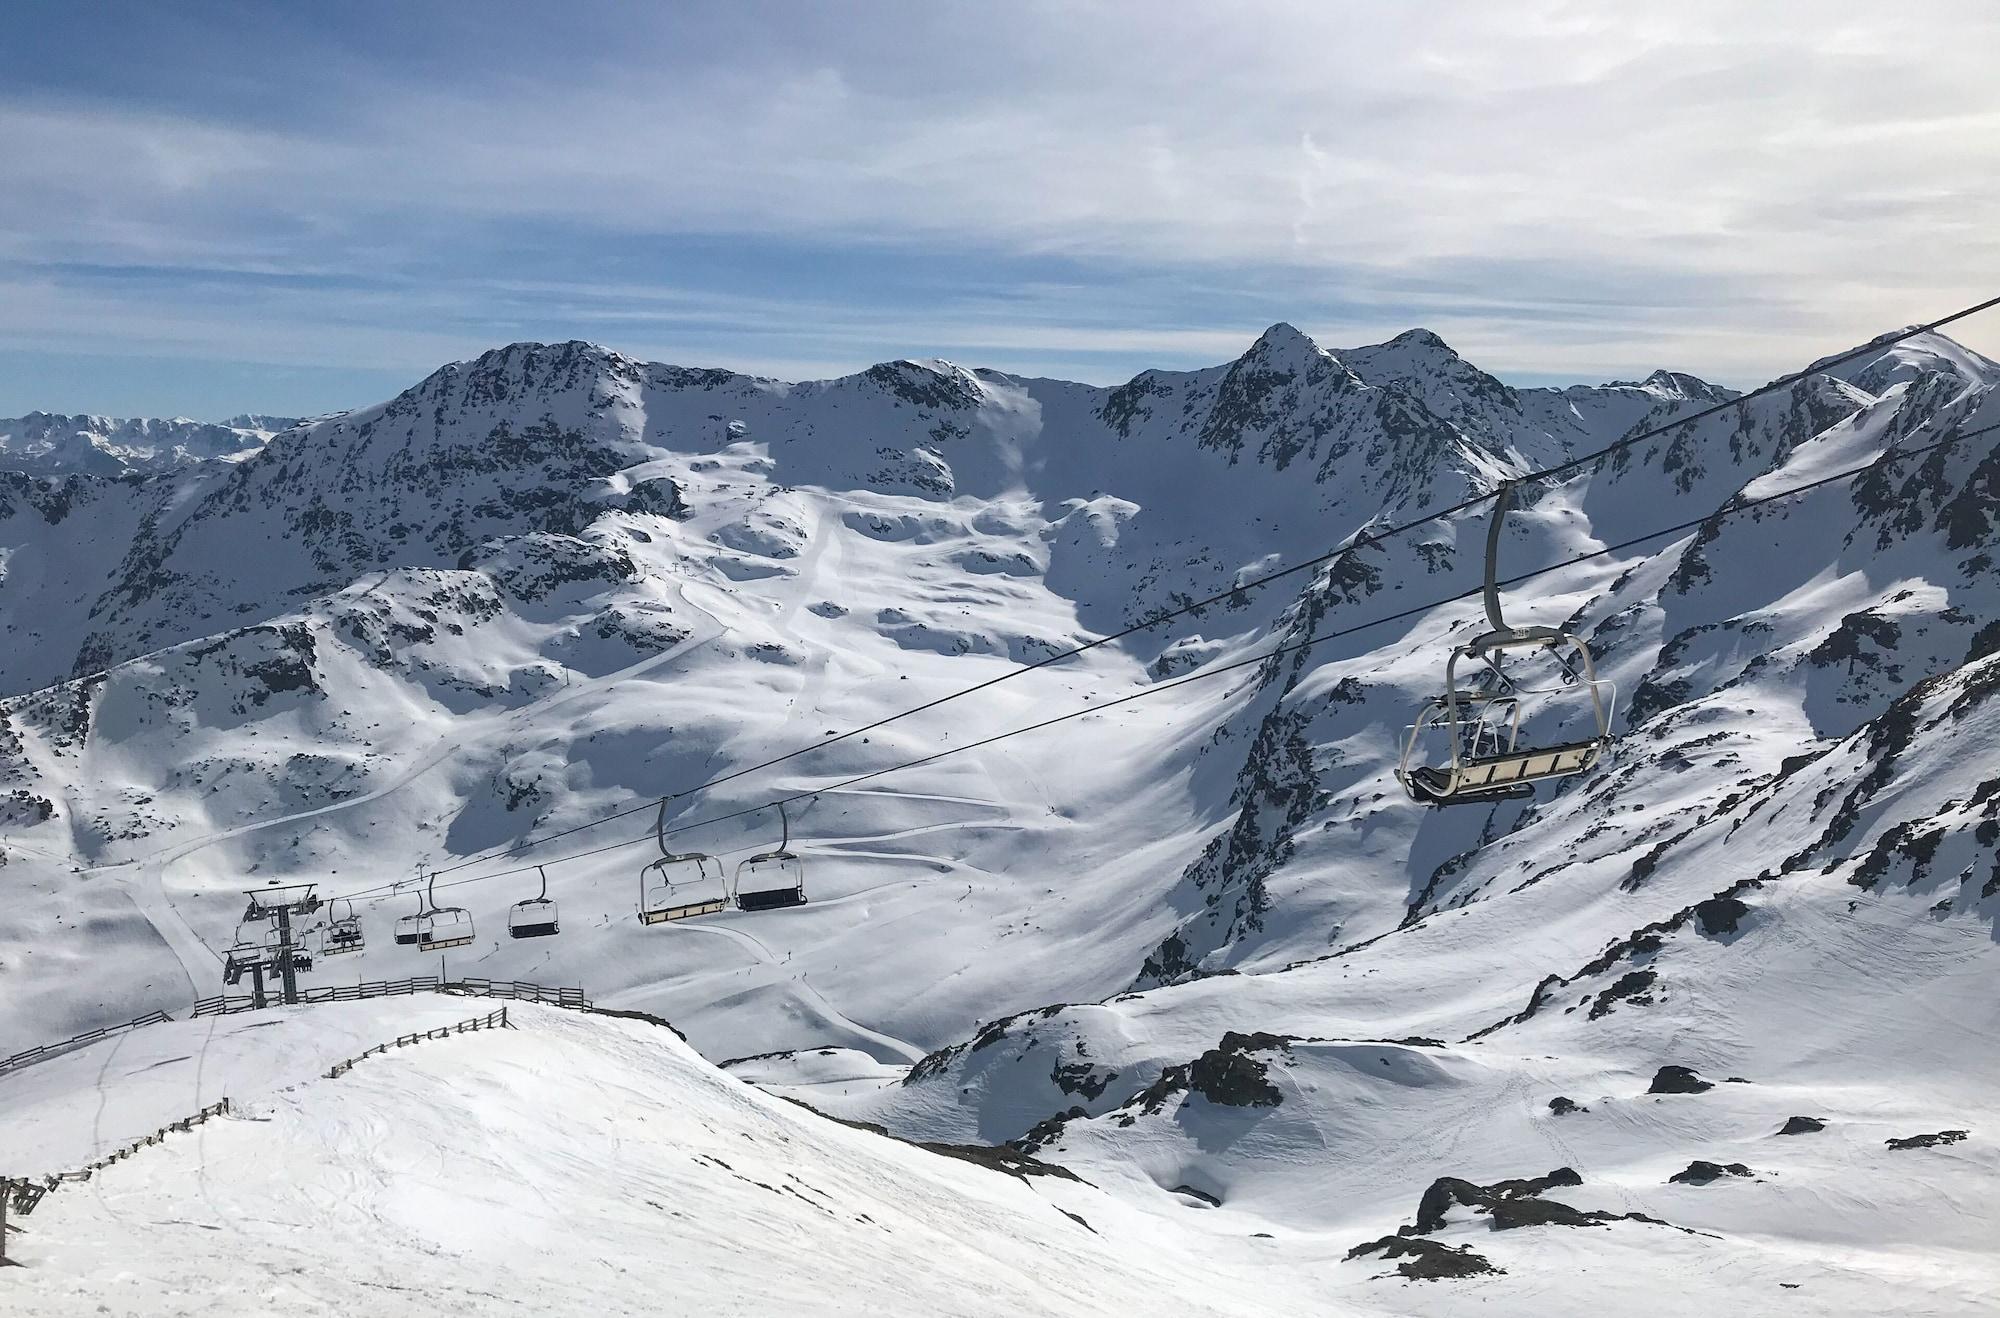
column 276, row 952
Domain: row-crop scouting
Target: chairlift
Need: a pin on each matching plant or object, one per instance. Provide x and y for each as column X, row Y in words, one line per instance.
column 342, row 934
column 446, row 926
column 242, row 960
column 676, row 887
column 1484, row 756
column 535, row 917
column 410, row 929
column 258, row 932
column 773, row 879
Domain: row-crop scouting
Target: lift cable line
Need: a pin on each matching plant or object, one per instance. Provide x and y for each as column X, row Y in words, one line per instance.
column 1362, row 542
column 1252, row 661
column 1151, row 620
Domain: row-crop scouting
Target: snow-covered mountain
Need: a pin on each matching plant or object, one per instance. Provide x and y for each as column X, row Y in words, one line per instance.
column 1197, row 949
column 47, row 444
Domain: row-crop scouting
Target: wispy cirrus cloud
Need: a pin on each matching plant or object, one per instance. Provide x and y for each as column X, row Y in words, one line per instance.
column 1564, row 190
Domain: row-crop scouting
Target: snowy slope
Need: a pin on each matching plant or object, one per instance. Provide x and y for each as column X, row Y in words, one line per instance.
column 578, row 1164
column 436, row 1175
column 554, row 583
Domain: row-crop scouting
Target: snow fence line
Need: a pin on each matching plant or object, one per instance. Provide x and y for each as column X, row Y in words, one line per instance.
column 516, row 989
column 40, row 1051
column 519, row 990
column 23, row 1193
column 492, row 1020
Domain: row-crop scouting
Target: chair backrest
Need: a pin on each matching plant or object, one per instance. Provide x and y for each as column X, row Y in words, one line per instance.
column 771, row 872
column 535, row 910
column 449, row 923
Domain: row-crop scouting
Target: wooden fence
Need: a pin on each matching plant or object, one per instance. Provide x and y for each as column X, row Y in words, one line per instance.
column 25, row 1193
column 519, row 990
column 226, row 1005
column 492, row 1020
column 36, row 1054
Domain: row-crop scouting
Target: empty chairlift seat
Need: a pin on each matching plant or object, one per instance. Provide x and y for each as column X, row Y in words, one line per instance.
column 449, row 926
column 445, row 926
column 409, row 930
column 1477, row 743
column 535, row 917
column 1500, row 777
column 679, row 887
column 772, row 880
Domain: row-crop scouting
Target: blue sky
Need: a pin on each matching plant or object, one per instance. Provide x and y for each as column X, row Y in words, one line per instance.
column 208, row 209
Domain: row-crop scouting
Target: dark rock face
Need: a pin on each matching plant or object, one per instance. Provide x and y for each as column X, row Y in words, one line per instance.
column 1719, row 915
column 1202, row 1195
column 1510, row 1205
column 659, row 496
column 1512, row 1214
column 1427, row 1260
column 1678, row 1080
column 1562, row 1107
column 1275, row 794
column 1633, row 986
column 1699, row 1172
column 1449, row 1190
column 1928, row 1141
column 924, row 387
column 1000, row 1158
column 1046, row 1131
column 1229, row 1076
column 1081, row 1078
column 1225, row 1075
column 1801, row 1126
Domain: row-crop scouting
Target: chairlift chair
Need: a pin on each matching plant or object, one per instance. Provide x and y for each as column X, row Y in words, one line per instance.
column 677, row 887
column 342, row 935
column 447, row 926
column 773, row 879
column 535, row 917
column 242, row 959
column 410, row 928
column 1486, row 757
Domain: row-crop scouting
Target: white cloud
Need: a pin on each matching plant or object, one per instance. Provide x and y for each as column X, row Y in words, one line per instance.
column 1557, row 187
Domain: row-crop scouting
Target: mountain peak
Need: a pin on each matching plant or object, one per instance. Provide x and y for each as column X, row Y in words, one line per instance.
column 932, row 382
column 1419, row 337
column 1895, row 363
column 1680, row 384
column 1283, row 339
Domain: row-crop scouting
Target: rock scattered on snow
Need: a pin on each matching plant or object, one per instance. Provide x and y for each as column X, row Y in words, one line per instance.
column 1678, row 1080
column 1928, row 1141
column 1447, row 1191
column 1427, row 1260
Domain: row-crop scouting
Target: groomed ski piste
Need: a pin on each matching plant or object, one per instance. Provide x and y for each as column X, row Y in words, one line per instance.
column 568, row 1164
column 1181, row 1004
column 588, row 1164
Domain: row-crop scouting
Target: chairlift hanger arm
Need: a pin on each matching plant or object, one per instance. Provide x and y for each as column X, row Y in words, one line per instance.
column 1503, row 498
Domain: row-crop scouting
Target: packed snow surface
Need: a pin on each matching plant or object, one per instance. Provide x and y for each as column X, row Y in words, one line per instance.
column 576, row 1164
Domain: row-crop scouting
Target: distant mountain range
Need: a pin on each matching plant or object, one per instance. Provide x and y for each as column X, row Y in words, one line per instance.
column 48, row 444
